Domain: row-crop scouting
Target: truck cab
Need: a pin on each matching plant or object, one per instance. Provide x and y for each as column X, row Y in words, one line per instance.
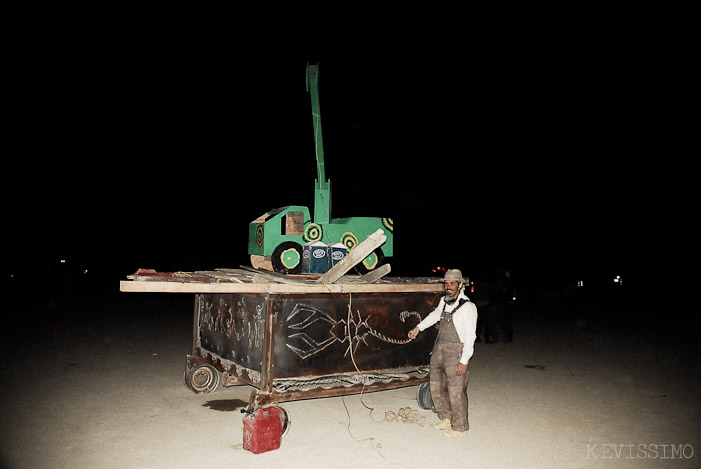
column 276, row 238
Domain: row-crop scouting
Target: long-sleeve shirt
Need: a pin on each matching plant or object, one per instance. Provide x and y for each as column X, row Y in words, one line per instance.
column 464, row 319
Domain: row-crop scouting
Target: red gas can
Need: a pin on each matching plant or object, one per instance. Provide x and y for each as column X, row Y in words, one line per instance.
column 262, row 430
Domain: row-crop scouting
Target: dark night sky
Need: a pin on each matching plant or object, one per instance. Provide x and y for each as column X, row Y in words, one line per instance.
column 157, row 154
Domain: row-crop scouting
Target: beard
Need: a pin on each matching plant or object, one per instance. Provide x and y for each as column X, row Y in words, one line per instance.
column 452, row 293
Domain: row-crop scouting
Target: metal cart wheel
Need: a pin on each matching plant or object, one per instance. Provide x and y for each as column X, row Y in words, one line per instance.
column 423, row 396
column 203, row 378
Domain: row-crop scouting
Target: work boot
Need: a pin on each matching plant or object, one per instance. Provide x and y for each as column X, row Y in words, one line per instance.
column 442, row 425
column 454, row 433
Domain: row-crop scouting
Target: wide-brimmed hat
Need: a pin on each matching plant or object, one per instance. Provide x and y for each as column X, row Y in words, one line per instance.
column 454, row 275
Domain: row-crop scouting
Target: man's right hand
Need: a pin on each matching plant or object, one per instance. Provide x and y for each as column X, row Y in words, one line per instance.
column 413, row 333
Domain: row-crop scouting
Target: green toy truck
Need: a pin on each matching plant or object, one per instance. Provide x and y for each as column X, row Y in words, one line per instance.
column 276, row 239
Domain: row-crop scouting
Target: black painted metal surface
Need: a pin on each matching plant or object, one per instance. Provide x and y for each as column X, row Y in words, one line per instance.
column 274, row 342
column 322, row 334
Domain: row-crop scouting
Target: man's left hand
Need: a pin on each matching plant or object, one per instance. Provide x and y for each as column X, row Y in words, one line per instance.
column 462, row 369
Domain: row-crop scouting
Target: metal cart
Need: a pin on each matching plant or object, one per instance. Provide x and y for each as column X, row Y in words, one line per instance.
column 292, row 342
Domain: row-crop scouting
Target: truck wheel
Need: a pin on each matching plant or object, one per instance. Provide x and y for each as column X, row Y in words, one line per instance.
column 370, row 263
column 287, row 258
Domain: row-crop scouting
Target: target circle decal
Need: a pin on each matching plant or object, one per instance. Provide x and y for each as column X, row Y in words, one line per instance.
column 349, row 240
column 389, row 224
column 371, row 261
column 259, row 236
column 290, row 258
column 312, row 232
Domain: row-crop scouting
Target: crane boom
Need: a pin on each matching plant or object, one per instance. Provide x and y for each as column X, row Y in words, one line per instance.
column 322, row 198
column 313, row 89
column 282, row 239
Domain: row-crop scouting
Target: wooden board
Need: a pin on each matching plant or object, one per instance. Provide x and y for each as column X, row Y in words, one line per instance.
column 193, row 287
column 249, row 280
column 377, row 274
column 354, row 257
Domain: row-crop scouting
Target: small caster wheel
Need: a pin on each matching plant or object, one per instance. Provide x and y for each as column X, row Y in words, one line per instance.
column 202, row 378
column 423, row 396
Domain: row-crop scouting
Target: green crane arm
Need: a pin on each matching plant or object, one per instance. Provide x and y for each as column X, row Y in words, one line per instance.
column 322, row 199
column 313, row 89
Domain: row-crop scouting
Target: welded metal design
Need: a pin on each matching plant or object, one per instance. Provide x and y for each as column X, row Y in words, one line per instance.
column 316, row 334
column 353, row 331
column 232, row 326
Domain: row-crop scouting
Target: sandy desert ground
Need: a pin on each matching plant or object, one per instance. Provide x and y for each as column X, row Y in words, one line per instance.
column 100, row 386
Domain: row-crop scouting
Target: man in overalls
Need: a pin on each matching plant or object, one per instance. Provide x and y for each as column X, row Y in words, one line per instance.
column 451, row 353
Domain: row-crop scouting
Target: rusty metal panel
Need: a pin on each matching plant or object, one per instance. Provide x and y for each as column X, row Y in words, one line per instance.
column 233, row 327
column 323, row 334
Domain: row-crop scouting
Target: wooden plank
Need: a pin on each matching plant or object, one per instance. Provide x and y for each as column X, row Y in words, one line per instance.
column 261, row 262
column 377, row 274
column 355, row 288
column 179, row 287
column 229, row 271
column 277, row 277
column 248, row 270
column 360, row 252
column 182, row 277
column 227, row 276
column 275, row 288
